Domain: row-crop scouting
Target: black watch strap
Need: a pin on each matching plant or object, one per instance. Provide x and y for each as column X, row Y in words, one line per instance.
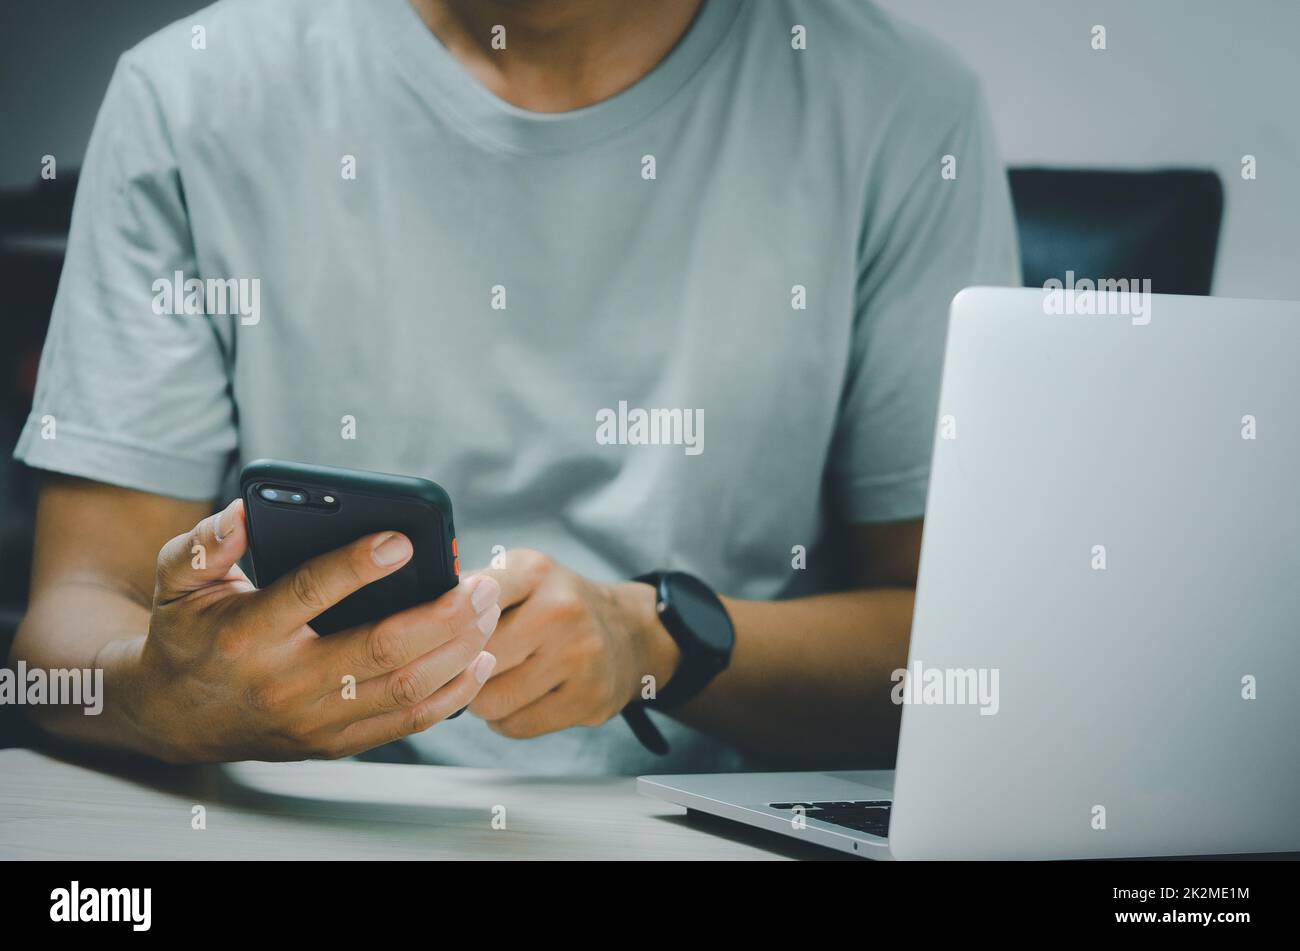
column 698, row 665
column 643, row 728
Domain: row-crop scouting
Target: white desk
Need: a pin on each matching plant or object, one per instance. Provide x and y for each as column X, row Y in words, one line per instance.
column 53, row 809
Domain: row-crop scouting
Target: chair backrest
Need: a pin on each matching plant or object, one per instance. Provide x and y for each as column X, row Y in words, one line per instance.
column 1162, row 225
column 33, row 229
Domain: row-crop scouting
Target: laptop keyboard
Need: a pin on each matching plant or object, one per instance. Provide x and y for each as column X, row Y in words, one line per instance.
column 868, row 815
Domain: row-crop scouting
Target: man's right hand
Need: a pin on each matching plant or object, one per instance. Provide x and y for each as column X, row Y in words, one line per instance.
column 229, row 672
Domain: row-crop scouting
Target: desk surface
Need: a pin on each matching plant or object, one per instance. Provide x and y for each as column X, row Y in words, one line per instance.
column 54, row 809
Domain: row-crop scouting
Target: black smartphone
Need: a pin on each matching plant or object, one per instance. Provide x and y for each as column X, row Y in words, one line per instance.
column 296, row 512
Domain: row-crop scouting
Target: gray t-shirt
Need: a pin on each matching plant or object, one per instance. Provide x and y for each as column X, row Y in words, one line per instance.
column 420, row 278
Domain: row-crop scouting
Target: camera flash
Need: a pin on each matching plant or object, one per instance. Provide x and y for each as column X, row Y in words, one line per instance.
column 329, row 500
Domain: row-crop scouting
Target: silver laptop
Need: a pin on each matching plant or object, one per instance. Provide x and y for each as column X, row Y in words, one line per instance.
column 1105, row 653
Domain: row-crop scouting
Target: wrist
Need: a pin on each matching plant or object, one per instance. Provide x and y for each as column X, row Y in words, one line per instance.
column 659, row 653
column 135, row 692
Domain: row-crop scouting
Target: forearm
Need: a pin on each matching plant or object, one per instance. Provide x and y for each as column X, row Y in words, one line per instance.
column 810, row 679
column 76, row 626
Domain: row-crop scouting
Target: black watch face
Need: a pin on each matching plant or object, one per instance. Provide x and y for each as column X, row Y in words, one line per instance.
column 701, row 611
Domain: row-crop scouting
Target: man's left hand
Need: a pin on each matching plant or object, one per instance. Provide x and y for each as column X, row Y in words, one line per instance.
column 570, row 652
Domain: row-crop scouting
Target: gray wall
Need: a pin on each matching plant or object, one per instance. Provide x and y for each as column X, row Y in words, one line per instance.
column 55, row 58
column 1183, row 82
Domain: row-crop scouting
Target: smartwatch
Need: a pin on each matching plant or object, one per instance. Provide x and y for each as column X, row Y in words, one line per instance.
column 696, row 620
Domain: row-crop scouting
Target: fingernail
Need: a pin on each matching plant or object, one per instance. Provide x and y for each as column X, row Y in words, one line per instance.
column 487, row 621
column 226, row 522
column 485, row 593
column 483, row 665
column 391, row 549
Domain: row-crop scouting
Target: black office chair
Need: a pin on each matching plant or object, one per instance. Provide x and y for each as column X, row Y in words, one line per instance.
column 33, row 231
column 1161, row 225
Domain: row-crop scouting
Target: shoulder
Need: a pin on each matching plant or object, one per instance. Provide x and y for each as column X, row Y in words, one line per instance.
column 234, row 31
column 234, row 54
column 871, row 63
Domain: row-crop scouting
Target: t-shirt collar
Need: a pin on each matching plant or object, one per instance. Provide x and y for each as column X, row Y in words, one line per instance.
column 453, row 92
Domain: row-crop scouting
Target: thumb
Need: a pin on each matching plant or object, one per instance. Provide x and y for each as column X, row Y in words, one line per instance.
column 203, row 555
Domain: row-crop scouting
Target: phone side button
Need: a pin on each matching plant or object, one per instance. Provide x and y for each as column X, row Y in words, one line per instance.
column 455, row 567
column 454, row 550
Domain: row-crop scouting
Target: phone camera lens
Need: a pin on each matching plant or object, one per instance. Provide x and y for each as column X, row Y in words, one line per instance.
column 283, row 494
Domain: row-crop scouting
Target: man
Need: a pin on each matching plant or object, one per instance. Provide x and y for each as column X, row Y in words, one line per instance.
column 484, row 237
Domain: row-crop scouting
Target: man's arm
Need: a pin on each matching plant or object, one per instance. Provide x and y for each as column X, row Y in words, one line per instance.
column 201, row 666
column 809, row 680
column 92, row 588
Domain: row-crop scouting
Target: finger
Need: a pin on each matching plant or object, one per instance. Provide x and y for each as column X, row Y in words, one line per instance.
column 523, row 572
column 205, row 554
column 555, row 711
column 375, row 731
column 319, row 584
column 453, row 620
column 414, row 683
column 519, row 635
column 509, row 692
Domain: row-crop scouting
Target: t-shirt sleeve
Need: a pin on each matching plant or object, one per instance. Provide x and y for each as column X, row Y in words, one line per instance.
column 939, row 221
column 125, row 395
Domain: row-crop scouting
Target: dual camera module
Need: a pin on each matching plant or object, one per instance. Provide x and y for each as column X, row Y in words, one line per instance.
column 288, row 495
